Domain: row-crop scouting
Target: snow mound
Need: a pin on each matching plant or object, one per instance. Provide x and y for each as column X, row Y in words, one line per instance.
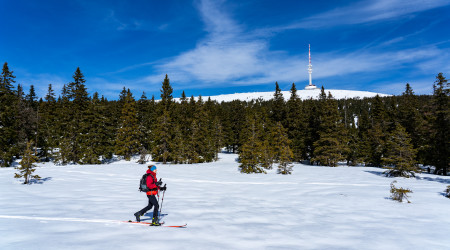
column 302, row 94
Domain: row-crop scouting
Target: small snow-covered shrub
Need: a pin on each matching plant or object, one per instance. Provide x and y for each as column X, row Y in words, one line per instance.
column 447, row 192
column 398, row 194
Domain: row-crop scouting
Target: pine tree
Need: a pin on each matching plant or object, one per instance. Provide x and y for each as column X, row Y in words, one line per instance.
column 8, row 133
column 180, row 148
column 376, row 133
column 412, row 120
column 127, row 140
column 95, row 143
column 31, row 98
column 27, row 166
column 47, row 128
column 162, row 149
column 64, row 154
column 26, row 121
column 233, row 121
column 312, row 128
column 296, row 124
column 64, row 127
column 331, row 147
column 440, row 125
column 250, row 153
column 400, row 154
column 76, row 121
column 166, row 94
column 278, row 112
column 163, row 132
column 282, row 151
column 145, row 121
column 217, row 135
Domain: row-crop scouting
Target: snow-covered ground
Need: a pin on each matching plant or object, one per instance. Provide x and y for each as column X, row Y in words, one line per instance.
column 302, row 94
column 80, row 207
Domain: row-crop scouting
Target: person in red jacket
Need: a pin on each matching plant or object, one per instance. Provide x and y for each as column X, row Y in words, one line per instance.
column 154, row 187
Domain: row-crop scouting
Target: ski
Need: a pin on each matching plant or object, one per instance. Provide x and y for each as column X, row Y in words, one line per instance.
column 181, row 226
column 150, row 224
column 139, row 222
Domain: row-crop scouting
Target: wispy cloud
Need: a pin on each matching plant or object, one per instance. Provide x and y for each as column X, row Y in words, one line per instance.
column 231, row 55
column 365, row 12
column 41, row 82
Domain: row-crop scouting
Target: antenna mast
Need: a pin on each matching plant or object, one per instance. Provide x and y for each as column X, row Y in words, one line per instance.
column 310, row 67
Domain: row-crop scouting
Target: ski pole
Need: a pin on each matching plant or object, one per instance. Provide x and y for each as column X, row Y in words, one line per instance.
column 158, row 190
column 162, row 201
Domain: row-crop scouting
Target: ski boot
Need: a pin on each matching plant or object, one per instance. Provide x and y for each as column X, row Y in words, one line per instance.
column 155, row 222
column 138, row 217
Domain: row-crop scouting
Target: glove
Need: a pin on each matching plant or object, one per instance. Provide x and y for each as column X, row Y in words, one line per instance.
column 163, row 188
column 158, row 183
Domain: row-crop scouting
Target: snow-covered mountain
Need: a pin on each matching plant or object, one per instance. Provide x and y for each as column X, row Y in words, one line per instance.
column 303, row 94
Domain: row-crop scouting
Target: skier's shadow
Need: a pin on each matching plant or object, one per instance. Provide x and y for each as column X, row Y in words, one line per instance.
column 150, row 216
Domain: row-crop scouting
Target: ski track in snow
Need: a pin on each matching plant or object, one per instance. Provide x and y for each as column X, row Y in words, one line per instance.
column 59, row 219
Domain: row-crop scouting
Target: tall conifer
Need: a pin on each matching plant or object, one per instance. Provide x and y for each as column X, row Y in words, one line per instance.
column 400, row 154
column 8, row 112
column 127, row 139
column 440, row 125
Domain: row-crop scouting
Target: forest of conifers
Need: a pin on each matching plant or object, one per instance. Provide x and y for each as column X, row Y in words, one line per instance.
column 400, row 132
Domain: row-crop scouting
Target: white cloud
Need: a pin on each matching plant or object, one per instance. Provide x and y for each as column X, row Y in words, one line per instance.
column 365, row 12
column 230, row 55
column 41, row 82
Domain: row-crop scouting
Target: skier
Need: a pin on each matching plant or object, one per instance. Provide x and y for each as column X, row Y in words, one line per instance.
column 154, row 186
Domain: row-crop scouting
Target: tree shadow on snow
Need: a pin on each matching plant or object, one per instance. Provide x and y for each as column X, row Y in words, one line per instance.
column 437, row 179
column 443, row 194
column 41, row 181
column 376, row 173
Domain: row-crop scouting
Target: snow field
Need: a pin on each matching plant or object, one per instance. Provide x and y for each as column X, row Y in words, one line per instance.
column 80, row 207
column 302, row 94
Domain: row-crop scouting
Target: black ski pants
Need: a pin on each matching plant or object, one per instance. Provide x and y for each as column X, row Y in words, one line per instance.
column 152, row 202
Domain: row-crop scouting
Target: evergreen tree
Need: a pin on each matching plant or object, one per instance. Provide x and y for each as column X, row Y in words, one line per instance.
column 180, row 149
column 296, row 124
column 78, row 126
column 166, row 94
column 163, row 132
column 282, row 151
column 26, row 121
column 63, row 127
column 331, row 147
column 8, row 134
column 97, row 143
column 250, row 153
column 163, row 137
column 27, row 166
column 376, row 134
column 145, row 121
column 47, row 128
column 440, row 125
column 410, row 117
column 278, row 112
column 127, row 140
column 233, row 121
column 400, row 154
column 50, row 96
column 312, row 128
column 31, row 98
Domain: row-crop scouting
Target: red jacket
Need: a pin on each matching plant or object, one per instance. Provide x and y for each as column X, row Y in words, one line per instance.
column 151, row 183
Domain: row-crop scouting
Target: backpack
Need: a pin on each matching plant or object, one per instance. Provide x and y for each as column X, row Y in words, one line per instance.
column 143, row 183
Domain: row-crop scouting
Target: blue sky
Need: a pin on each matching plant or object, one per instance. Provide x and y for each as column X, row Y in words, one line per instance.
column 219, row 47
